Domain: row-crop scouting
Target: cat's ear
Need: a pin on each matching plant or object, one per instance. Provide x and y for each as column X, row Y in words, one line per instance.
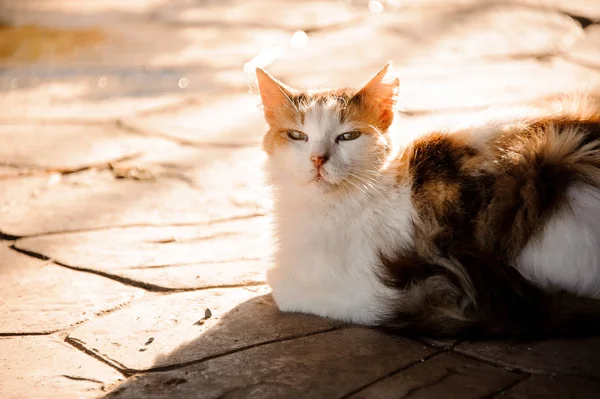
column 274, row 94
column 380, row 94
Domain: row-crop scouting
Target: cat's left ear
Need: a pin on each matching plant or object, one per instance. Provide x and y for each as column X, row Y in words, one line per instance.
column 380, row 94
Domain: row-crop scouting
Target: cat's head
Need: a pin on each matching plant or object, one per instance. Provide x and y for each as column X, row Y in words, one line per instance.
column 327, row 141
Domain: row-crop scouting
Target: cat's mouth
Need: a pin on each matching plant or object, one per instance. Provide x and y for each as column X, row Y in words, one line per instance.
column 319, row 178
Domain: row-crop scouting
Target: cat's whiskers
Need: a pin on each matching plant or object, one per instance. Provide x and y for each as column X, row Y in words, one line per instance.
column 354, row 181
column 366, row 183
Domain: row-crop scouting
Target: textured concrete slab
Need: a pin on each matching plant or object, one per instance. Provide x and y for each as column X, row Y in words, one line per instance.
column 75, row 99
column 17, row 190
column 460, row 87
column 70, row 147
column 432, row 35
column 586, row 50
column 562, row 357
column 222, row 184
column 444, row 376
column 174, row 329
column 290, row 15
column 185, row 257
column 327, row 365
column 44, row 367
column 38, row 297
column 579, row 8
column 539, row 387
column 210, row 122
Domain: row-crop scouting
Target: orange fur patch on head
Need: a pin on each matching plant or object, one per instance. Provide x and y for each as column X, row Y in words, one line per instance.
column 280, row 107
column 272, row 140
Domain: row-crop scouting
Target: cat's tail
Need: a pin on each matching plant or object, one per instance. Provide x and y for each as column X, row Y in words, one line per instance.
column 511, row 306
column 475, row 297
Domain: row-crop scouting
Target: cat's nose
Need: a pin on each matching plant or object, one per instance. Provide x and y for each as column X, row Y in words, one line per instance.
column 319, row 160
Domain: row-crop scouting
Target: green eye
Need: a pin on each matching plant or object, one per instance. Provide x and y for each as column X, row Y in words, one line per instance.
column 296, row 135
column 348, row 136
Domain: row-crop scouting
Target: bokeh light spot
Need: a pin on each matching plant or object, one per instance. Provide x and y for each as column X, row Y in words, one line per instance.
column 299, row 39
column 375, row 6
column 184, row 82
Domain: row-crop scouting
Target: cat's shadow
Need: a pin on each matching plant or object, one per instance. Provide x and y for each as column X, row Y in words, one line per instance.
column 255, row 323
column 254, row 350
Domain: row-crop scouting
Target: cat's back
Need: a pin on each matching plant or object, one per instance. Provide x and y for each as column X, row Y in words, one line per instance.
column 525, row 191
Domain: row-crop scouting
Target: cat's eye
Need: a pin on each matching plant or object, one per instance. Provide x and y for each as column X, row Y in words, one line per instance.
column 296, row 135
column 348, row 136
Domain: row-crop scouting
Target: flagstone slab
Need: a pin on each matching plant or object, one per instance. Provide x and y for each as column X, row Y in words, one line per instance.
column 174, row 329
column 201, row 186
column 85, row 7
column 541, row 387
column 561, row 357
column 226, row 120
column 327, row 365
column 496, row 30
column 183, row 257
column 581, row 8
column 38, row 297
column 44, row 367
column 430, row 35
column 281, row 14
column 444, row 376
column 586, row 50
column 76, row 99
column 17, row 190
column 69, row 146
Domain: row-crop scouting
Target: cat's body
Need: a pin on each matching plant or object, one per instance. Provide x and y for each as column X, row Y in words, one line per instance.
column 470, row 230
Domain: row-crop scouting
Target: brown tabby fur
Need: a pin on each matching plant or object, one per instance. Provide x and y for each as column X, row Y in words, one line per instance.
column 480, row 201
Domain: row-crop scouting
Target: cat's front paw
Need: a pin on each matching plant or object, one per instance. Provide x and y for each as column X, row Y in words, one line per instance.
column 283, row 290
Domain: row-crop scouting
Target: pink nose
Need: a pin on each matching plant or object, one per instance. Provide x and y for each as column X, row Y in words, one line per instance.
column 319, row 160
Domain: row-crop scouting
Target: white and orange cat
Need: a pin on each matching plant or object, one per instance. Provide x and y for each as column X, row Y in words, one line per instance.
column 493, row 228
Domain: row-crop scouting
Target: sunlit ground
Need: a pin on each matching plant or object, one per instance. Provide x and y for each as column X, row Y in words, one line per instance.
column 130, row 170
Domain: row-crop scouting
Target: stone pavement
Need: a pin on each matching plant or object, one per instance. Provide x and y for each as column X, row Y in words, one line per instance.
column 133, row 227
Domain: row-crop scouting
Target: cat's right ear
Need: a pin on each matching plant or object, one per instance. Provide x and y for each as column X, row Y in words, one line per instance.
column 274, row 94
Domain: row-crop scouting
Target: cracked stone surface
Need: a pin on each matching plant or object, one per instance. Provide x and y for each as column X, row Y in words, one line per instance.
column 41, row 297
column 206, row 124
column 61, row 100
column 221, row 184
column 228, row 253
column 130, row 158
column 469, row 35
column 586, row 50
column 79, row 146
column 444, row 376
column 581, row 8
column 554, row 387
column 312, row 14
column 17, row 190
column 286, row 369
column 41, row 367
column 239, row 318
column 566, row 357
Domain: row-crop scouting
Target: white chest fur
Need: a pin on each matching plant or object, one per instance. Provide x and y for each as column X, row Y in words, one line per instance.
column 327, row 262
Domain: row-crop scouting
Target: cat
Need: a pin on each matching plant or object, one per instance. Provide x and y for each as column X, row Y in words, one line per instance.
column 488, row 229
